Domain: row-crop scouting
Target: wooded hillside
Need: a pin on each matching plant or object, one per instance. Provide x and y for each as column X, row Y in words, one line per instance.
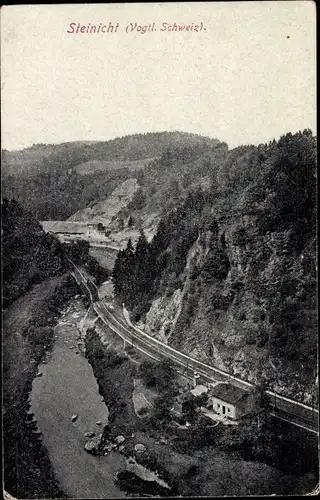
column 55, row 181
column 234, row 262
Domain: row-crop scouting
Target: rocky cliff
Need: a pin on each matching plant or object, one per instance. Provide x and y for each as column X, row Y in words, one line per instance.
column 233, row 269
column 229, row 321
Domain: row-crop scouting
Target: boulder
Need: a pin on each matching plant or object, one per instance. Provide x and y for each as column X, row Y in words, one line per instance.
column 92, row 445
column 74, row 418
column 108, row 446
column 119, row 440
column 140, row 448
column 89, row 435
column 99, row 422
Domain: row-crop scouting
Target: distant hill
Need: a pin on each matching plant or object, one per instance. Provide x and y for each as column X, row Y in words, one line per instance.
column 56, row 181
column 91, row 166
column 131, row 148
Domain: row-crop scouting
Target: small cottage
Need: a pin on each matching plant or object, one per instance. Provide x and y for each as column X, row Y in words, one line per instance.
column 230, row 401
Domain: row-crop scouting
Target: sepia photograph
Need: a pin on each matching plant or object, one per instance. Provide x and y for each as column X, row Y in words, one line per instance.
column 159, row 237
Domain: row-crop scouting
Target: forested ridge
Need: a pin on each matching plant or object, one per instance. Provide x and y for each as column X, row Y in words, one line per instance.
column 55, row 181
column 240, row 254
column 29, row 254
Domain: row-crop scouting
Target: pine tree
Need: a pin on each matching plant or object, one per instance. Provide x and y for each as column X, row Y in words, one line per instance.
column 128, row 273
column 123, row 272
column 117, row 274
column 142, row 271
column 142, row 247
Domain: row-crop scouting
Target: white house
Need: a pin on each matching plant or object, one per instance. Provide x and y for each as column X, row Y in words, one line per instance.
column 230, row 401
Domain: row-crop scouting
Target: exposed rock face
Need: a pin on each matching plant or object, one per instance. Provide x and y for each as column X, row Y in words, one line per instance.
column 105, row 210
column 161, row 325
column 144, row 473
column 227, row 321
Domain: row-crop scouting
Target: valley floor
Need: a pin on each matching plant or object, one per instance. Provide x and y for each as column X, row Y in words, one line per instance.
column 205, row 471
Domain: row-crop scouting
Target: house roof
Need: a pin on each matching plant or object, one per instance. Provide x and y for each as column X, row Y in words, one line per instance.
column 198, row 390
column 64, row 227
column 228, row 393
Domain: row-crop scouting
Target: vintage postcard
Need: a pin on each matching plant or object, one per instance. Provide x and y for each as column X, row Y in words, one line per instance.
column 159, row 250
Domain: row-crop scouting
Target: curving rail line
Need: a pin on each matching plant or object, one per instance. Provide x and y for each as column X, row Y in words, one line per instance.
column 284, row 408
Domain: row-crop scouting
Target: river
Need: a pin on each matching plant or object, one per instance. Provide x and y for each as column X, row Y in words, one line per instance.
column 68, row 387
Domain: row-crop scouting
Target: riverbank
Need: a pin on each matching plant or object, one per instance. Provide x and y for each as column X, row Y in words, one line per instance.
column 27, row 337
column 114, row 374
column 68, row 388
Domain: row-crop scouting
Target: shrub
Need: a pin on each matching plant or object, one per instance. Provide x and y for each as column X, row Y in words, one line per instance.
column 159, row 375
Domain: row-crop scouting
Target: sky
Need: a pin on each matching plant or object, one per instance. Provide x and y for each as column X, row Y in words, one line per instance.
column 247, row 78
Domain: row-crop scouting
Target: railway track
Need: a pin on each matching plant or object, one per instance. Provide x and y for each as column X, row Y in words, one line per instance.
column 281, row 407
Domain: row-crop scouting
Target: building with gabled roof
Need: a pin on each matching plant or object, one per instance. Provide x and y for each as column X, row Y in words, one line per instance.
column 230, row 401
